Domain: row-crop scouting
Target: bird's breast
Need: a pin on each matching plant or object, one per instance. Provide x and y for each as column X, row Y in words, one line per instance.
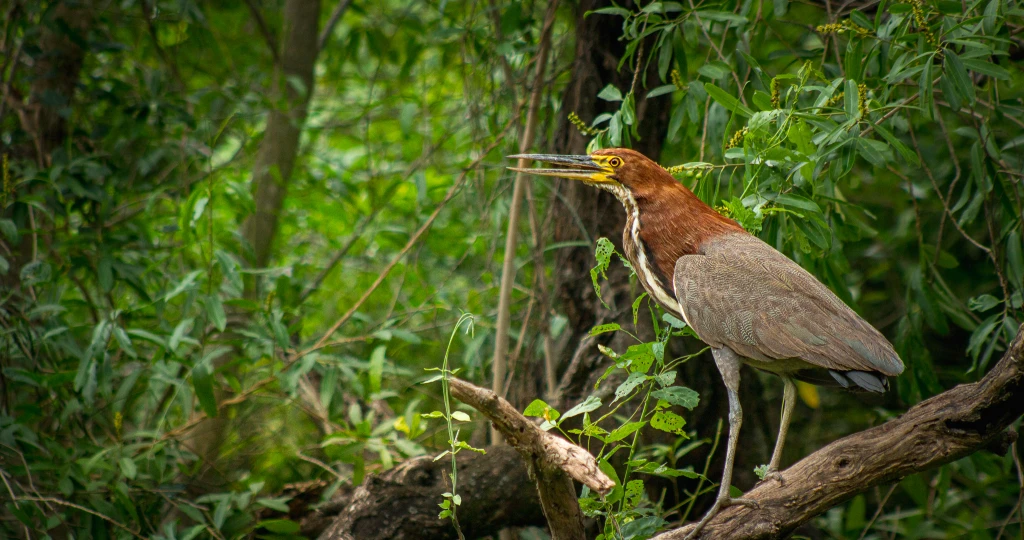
column 647, row 269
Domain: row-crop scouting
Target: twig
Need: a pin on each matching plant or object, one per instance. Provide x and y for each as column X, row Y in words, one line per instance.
column 356, row 235
column 52, row 500
column 336, row 15
column 881, row 505
column 268, row 36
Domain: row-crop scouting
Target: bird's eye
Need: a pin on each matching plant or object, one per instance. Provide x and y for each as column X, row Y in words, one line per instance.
column 615, row 162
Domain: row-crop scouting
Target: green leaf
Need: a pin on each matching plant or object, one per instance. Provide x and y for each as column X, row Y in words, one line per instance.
column 1015, row 258
column 536, row 408
column 986, row 68
column 925, row 87
column 604, row 329
column 715, row 70
column 623, row 431
column 610, row 93
column 641, row 357
column 375, row 373
column 460, row 416
column 215, row 311
column 957, row 73
column 124, row 342
column 128, row 468
column 876, row 152
column 185, row 283
column 592, row 403
column 669, row 422
column 635, row 379
column 727, row 101
column 202, row 382
column 662, row 90
column 280, row 526
column 678, row 395
column 983, row 303
column 909, row 155
column 10, row 230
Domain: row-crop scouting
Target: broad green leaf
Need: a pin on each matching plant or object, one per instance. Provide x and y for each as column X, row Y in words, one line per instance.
column 604, row 328
column 669, row 422
column 727, row 101
column 592, row 403
column 678, row 395
column 215, row 311
column 955, row 70
column 610, row 93
column 202, row 382
column 635, row 379
column 624, row 431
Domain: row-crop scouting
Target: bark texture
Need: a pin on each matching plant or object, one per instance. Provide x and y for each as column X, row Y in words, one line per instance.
column 947, row 427
column 402, row 503
column 551, row 460
column 276, row 156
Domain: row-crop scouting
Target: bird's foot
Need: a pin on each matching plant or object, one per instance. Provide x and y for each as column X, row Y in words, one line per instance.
column 772, row 474
column 720, row 503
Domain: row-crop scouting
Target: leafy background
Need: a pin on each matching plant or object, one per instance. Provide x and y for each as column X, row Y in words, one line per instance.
column 158, row 380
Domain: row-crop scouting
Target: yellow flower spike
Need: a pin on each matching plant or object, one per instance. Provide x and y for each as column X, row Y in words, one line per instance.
column 862, row 99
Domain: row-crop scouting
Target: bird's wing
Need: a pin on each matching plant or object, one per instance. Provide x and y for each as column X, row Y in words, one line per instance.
column 744, row 294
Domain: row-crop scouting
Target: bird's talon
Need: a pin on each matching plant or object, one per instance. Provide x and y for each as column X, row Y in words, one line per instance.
column 773, row 475
column 749, row 503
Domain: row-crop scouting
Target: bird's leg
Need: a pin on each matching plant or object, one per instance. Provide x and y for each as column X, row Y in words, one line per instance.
column 788, row 400
column 729, row 366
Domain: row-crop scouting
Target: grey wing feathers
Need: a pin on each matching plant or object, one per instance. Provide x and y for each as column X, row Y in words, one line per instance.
column 743, row 294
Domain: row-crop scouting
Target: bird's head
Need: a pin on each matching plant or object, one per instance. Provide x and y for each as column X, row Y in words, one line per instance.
column 618, row 170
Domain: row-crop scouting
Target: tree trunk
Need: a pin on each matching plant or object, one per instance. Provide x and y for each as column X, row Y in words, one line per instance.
column 275, row 161
column 54, row 74
column 276, row 157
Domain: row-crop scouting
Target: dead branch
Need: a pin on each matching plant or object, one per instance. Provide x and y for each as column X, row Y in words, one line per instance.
column 947, row 427
column 552, row 461
column 403, row 502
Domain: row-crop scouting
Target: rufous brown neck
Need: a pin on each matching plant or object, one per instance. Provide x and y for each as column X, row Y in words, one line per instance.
column 671, row 222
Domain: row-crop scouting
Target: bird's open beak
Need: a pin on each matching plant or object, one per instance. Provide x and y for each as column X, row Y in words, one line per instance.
column 580, row 167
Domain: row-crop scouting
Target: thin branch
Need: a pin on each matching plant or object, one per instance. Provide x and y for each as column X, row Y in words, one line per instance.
column 336, row 15
column 356, row 235
column 108, row 519
column 268, row 36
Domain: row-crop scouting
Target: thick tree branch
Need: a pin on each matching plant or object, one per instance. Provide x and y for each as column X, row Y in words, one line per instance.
column 403, row 502
column 947, row 427
column 550, row 459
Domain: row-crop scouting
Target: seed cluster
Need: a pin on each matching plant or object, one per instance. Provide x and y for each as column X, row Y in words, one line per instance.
column 921, row 20
column 845, row 26
column 736, row 139
column 575, row 120
column 677, row 79
column 776, row 101
column 835, row 99
column 862, row 99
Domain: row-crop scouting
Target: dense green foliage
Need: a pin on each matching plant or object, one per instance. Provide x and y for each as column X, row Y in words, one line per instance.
column 880, row 147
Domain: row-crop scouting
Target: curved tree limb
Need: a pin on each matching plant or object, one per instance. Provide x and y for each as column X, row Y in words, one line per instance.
column 944, row 428
column 551, row 460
